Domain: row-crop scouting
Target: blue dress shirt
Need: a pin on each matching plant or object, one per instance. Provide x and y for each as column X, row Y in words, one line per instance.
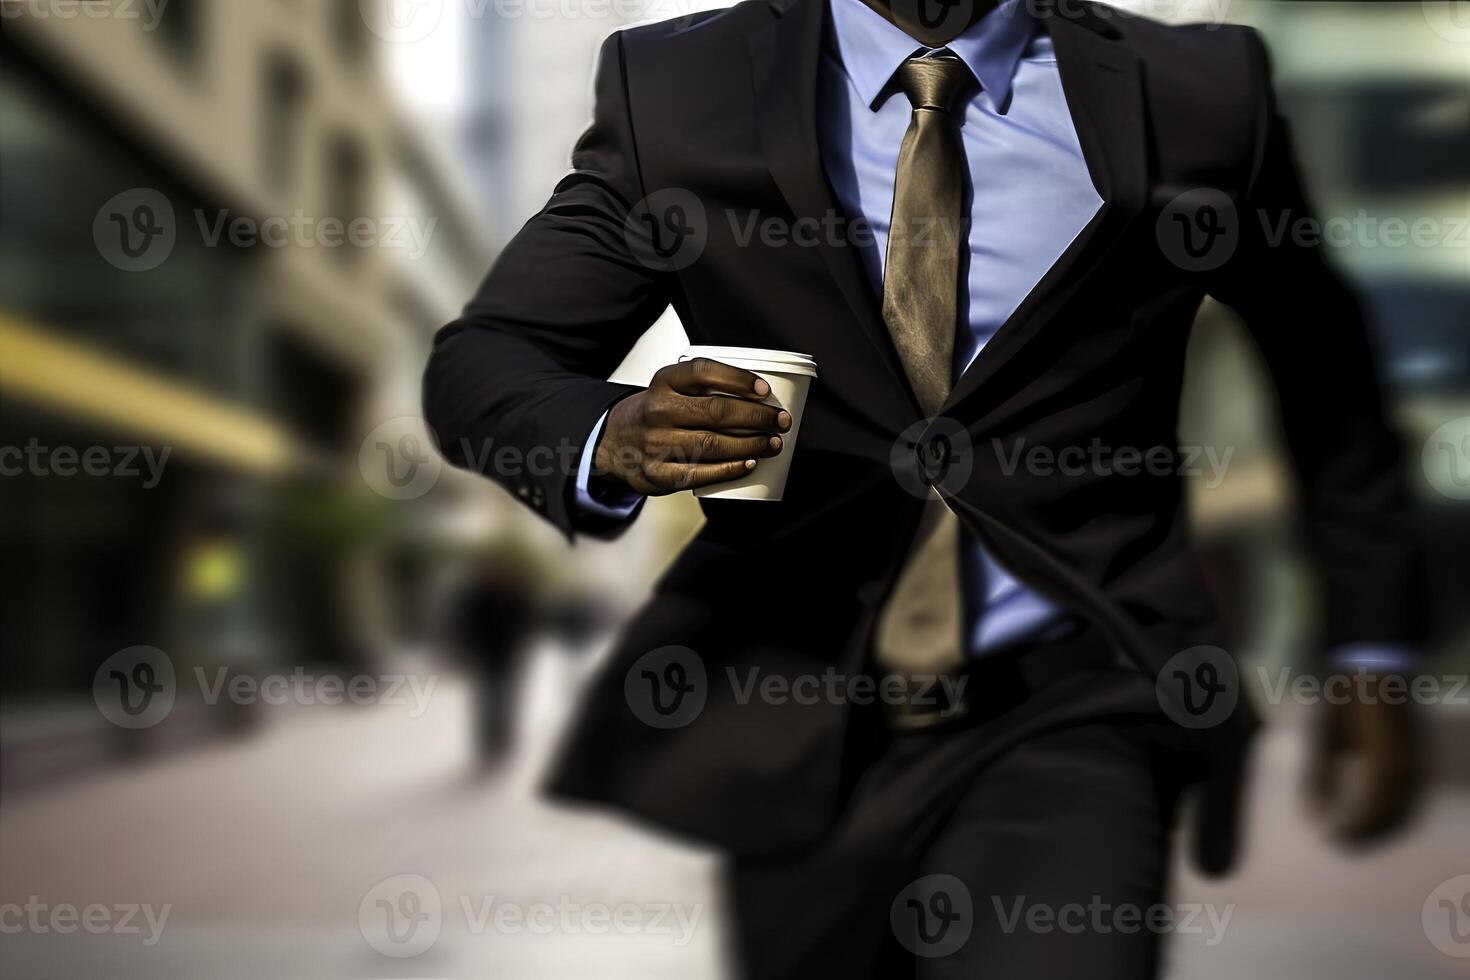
column 1030, row 194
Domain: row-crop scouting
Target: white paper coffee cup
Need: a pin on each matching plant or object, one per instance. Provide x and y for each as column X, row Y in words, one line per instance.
column 790, row 376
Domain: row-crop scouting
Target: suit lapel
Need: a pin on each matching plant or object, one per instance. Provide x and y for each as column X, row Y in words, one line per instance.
column 785, row 57
column 1103, row 85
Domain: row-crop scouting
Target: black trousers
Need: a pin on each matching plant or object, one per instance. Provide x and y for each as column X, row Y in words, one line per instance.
column 1068, row 797
column 1051, row 865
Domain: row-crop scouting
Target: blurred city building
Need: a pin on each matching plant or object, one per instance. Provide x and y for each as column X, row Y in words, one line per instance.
column 223, row 250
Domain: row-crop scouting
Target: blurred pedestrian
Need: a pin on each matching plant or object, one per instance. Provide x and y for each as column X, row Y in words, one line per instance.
column 494, row 619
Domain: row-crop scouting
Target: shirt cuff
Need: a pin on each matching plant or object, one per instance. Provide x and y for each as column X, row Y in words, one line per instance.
column 616, row 504
column 1375, row 657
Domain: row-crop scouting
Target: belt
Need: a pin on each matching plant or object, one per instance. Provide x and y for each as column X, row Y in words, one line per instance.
column 987, row 686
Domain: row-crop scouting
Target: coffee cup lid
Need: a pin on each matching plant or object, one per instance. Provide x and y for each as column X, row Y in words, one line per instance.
column 764, row 358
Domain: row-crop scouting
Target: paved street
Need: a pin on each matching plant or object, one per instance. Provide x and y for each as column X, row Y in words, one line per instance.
column 284, row 855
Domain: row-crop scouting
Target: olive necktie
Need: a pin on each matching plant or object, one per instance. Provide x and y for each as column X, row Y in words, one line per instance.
column 920, row 629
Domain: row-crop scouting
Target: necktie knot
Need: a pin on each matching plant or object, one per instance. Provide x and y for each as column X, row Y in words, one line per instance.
column 936, row 82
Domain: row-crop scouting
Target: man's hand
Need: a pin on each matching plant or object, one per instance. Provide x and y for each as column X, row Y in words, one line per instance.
column 685, row 431
column 1367, row 772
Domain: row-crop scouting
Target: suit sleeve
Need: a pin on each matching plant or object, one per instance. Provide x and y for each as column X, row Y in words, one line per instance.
column 1347, row 458
column 514, row 385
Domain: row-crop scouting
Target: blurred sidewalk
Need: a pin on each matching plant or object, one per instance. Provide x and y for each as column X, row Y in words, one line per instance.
column 265, row 849
column 1305, row 909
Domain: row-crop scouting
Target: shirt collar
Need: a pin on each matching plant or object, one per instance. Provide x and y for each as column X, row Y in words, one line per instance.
column 871, row 47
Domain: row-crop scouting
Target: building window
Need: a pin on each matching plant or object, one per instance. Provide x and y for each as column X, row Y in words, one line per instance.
column 347, row 191
column 181, row 27
column 349, row 30
column 285, row 97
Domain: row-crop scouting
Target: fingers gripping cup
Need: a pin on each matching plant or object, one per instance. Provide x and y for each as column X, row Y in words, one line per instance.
column 790, row 377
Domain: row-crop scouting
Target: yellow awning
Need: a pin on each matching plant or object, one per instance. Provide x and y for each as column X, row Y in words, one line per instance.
column 61, row 374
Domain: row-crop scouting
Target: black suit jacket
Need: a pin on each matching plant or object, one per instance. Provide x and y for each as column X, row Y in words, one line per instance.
column 719, row 109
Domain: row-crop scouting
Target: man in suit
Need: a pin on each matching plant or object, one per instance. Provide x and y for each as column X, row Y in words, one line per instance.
column 985, row 224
